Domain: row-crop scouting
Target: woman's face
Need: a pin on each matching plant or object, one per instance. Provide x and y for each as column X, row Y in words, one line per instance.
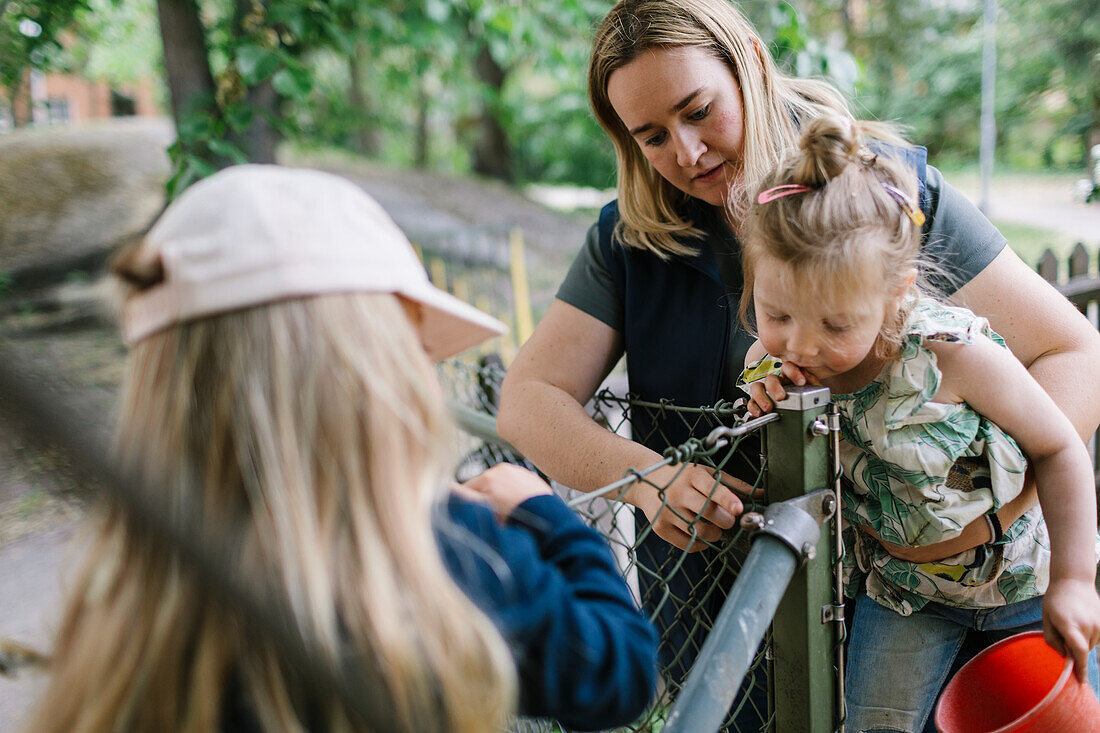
column 683, row 108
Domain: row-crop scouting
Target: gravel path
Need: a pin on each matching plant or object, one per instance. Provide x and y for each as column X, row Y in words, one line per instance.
column 31, row 572
column 1042, row 202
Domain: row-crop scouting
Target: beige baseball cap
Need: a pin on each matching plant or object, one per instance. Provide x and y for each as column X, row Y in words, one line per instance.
column 253, row 234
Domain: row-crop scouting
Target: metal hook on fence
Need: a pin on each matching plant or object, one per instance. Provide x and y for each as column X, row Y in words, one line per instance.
column 721, row 435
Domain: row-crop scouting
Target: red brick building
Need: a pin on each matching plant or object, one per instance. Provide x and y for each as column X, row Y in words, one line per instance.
column 70, row 99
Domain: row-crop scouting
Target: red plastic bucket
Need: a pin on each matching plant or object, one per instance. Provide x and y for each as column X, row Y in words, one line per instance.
column 1018, row 684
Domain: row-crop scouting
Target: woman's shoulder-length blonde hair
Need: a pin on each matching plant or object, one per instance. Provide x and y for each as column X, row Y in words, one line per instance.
column 312, row 431
column 775, row 104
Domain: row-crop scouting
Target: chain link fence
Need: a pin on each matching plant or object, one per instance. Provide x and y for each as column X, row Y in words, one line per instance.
column 682, row 592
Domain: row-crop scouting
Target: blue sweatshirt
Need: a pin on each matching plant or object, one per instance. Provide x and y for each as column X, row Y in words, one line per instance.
column 585, row 655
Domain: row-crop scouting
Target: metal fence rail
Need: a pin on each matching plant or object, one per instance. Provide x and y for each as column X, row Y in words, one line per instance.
column 786, row 532
column 712, row 626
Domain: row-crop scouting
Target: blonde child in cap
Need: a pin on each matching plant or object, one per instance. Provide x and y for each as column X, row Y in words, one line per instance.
column 280, row 378
column 939, row 423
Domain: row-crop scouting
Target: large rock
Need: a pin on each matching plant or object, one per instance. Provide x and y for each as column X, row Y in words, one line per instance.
column 67, row 193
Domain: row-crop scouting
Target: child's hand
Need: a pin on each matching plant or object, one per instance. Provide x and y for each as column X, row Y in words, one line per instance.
column 503, row 487
column 765, row 393
column 1071, row 620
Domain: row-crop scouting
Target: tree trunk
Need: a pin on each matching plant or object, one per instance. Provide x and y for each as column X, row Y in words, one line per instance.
column 261, row 138
column 366, row 140
column 492, row 154
column 186, row 60
column 1092, row 135
column 423, row 102
column 17, row 118
column 846, row 19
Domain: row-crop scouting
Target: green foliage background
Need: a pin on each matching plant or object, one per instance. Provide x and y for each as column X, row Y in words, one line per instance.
column 397, row 80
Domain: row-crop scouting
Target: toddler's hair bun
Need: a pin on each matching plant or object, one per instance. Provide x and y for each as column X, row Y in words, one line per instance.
column 828, row 145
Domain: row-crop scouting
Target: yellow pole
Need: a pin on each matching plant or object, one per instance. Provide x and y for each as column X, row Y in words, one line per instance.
column 438, row 273
column 520, row 293
column 482, row 304
column 508, row 345
column 462, row 291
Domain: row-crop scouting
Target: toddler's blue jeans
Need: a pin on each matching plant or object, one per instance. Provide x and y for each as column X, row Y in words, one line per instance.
column 897, row 665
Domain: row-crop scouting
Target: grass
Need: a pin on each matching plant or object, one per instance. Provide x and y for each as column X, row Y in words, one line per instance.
column 969, row 173
column 1030, row 242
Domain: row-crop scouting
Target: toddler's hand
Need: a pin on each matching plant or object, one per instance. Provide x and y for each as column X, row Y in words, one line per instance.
column 503, row 487
column 765, row 393
column 1071, row 620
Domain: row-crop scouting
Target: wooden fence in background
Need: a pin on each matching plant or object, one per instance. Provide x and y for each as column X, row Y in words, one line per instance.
column 1082, row 286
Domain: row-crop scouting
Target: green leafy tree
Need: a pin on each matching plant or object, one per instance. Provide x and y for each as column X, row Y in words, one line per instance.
column 921, row 62
column 800, row 49
column 115, row 41
column 1053, row 66
column 237, row 71
column 492, row 86
column 501, row 41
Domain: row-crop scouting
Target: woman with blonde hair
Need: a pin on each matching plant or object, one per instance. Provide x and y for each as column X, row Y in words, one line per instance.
column 698, row 113
column 279, row 385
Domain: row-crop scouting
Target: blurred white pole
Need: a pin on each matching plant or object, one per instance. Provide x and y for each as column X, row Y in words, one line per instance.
column 988, row 121
column 38, row 97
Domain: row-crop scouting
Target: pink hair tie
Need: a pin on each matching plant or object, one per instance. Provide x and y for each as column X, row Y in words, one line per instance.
column 778, row 192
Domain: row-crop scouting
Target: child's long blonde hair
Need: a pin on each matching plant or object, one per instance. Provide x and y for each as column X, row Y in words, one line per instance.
column 848, row 234
column 775, row 104
column 314, row 429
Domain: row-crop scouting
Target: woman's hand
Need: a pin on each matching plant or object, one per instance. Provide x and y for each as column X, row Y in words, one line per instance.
column 765, row 393
column 503, row 487
column 1071, row 620
column 692, row 507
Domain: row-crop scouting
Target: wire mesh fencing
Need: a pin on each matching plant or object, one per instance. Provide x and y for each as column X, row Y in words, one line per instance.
column 682, row 591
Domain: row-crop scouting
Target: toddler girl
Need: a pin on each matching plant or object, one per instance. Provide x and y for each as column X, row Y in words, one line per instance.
column 937, row 417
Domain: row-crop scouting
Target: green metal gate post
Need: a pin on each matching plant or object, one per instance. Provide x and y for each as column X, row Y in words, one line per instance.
column 802, row 670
